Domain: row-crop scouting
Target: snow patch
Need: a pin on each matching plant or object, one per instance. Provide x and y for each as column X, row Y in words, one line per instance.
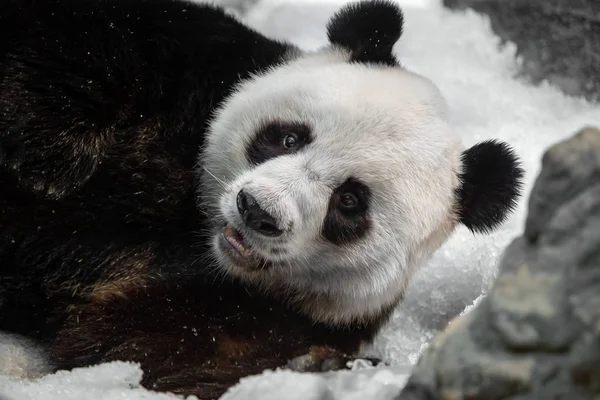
column 116, row 380
column 372, row 384
column 21, row 358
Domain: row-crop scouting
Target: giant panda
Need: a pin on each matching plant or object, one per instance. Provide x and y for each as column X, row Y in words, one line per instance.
column 181, row 191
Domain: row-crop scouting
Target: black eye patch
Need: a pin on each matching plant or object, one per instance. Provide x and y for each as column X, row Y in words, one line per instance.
column 277, row 138
column 347, row 216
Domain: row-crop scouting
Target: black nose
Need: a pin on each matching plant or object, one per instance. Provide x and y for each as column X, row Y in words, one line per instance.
column 255, row 217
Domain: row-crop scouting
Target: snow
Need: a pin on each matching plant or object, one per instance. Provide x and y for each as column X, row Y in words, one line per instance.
column 372, row 384
column 110, row 381
column 21, row 358
column 457, row 51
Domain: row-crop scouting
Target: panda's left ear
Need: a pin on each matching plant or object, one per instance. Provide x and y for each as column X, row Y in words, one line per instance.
column 368, row 29
column 491, row 185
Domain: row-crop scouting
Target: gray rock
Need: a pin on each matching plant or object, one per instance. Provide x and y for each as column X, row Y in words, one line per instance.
column 559, row 40
column 537, row 334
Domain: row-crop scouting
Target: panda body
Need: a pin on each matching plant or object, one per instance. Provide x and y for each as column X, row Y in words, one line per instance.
column 183, row 192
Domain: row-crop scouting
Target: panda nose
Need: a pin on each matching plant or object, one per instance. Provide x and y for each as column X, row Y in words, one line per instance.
column 255, row 217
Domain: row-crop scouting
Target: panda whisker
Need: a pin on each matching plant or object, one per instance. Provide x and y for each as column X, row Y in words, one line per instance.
column 218, row 180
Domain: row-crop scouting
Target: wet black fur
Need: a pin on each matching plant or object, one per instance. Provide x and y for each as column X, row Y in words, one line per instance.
column 344, row 227
column 103, row 252
column 368, row 29
column 268, row 140
column 196, row 336
column 491, row 185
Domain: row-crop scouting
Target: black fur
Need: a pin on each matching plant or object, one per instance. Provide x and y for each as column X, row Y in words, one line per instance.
column 491, row 185
column 343, row 227
column 368, row 29
column 103, row 251
column 269, row 140
column 103, row 106
column 105, row 72
column 195, row 336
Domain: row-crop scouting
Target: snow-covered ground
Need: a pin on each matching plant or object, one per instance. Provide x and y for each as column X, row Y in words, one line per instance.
column 458, row 51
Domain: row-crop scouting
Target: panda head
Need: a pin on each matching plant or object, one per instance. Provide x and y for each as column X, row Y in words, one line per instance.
column 334, row 175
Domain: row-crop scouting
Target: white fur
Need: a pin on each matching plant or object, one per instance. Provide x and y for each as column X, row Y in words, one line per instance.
column 383, row 125
column 21, row 359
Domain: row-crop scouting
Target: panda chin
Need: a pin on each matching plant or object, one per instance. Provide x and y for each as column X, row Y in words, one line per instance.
column 237, row 250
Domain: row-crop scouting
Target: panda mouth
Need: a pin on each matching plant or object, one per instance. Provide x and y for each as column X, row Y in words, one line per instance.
column 236, row 242
column 235, row 247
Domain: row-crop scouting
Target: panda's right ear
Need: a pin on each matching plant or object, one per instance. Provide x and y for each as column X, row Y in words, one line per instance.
column 491, row 185
column 368, row 29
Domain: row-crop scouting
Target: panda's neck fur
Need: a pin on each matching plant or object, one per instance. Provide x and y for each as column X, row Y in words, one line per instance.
column 347, row 301
column 362, row 299
column 349, row 305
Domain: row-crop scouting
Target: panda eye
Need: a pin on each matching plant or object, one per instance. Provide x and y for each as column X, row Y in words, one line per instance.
column 348, row 216
column 290, row 140
column 277, row 138
column 348, row 201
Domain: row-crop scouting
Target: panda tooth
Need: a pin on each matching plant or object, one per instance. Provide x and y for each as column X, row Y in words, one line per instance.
column 229, row 231
column 246, row 253
column 231, row 234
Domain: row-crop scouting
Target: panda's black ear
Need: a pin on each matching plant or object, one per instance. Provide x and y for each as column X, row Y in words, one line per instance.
column 368, row 29
column 491, row 185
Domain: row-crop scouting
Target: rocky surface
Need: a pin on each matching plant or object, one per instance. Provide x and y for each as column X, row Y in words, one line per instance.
column 559, row 40
column 537, row 334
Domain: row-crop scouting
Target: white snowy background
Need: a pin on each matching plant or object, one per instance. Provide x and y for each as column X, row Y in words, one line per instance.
column 459, row 52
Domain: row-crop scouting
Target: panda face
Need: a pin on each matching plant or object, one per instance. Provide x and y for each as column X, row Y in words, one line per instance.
column 331, row 178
